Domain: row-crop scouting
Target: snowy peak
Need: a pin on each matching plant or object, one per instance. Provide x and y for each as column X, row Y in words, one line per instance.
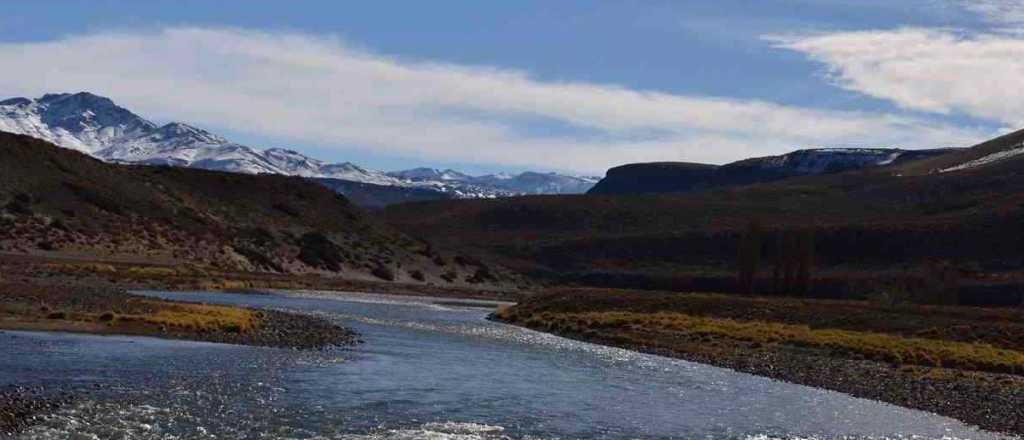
column 97, row 126
column 177, row 130
column 80, row 121
column 430, row 174
column 497, row 185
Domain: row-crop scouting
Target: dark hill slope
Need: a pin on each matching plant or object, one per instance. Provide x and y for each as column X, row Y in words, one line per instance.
column 666, row 177
column 1003, row 148
column 56, row 201
column 865, row 220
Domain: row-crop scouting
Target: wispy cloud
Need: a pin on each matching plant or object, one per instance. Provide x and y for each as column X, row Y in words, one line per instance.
column 932, row 70
column 1008, row 12
column 322, row 91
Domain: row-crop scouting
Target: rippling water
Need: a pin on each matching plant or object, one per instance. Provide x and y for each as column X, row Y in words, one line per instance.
column 426, row 371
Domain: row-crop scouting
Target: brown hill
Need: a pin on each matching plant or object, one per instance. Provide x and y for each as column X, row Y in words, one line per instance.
column 57, row 202
column 669, row 177
column 869, row 221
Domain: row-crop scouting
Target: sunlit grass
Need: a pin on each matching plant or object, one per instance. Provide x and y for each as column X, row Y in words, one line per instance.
column 875, row 346
column 198, row 317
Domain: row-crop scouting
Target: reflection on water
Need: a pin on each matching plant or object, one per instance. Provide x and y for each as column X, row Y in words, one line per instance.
column 427, row 371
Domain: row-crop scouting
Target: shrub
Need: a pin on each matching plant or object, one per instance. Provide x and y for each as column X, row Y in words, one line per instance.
column 95, row 198
column 450, row 276
column 318, row 251
column 384, row 273
column 287, row 209
column 59, row 225
column 482, row 274
column 257, row 258
column 18, row 207
column 417, row 275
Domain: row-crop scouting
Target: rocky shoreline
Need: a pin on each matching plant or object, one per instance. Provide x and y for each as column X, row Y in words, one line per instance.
column 82, row 309
column 279, row 330
column 991, row 400
column 19, row 406
column 101, row 310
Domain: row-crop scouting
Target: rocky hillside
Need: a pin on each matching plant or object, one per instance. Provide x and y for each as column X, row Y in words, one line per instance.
column 667, row 177
column 61, row 203
column 868, row 222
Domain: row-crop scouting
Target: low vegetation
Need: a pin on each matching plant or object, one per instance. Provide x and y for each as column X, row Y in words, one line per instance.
column 963, row 362
column 874, row 346
column 114, row 311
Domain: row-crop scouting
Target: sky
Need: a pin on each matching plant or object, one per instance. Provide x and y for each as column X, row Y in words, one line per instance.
column 570, row 86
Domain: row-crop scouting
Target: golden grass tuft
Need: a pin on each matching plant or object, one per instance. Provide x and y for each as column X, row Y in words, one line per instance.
column 200, row 317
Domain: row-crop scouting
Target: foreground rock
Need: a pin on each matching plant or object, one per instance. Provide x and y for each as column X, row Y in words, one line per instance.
column 20, row 406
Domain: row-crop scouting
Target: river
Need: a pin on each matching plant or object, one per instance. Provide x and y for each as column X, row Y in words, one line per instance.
column 429, row 369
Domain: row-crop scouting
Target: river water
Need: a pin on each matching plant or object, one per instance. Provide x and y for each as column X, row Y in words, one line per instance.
column 427, row 370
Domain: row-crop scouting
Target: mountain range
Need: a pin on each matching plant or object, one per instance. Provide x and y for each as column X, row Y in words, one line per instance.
column 95, row 125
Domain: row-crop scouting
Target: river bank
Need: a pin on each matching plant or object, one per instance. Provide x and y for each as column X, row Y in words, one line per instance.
column 959, row 362
column 136, row 274
column 104, row 310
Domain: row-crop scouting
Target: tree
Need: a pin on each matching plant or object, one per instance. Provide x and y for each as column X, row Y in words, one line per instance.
column 794, row 262
column 805, row 247
column 749, row 257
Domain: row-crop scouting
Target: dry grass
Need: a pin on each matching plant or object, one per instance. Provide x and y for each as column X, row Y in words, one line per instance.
column 875, row 346
column 197, row 317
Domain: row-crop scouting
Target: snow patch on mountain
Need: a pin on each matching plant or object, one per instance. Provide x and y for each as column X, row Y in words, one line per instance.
column 988, row 159
column 95, row 125
column 824, row 160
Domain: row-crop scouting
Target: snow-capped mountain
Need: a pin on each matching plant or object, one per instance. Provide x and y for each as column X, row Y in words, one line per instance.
column 97, row 126
column 511, row 184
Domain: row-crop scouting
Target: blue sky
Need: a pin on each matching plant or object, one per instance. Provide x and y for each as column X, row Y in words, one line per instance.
column 501, row 86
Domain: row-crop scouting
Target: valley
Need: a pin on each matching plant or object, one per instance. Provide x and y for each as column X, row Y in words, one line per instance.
column 888, row 275
column 520, row 220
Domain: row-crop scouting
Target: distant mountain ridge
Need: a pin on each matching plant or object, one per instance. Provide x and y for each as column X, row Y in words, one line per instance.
column 667, row 177
column 97, row 126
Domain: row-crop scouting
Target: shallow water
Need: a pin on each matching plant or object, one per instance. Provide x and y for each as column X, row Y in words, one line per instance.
column 426, row 371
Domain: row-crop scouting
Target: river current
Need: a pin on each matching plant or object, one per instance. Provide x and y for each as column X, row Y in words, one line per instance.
column 429, row 369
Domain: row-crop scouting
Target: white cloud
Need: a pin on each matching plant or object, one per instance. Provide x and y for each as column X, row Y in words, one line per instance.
column 931, row 70
column 317, row 90
column 997, row 11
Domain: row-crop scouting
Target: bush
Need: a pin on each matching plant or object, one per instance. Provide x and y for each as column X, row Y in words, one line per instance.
column 287, row 209
column 417, row 275
column 18, row 207
column 318, row 251
column 482, row 274
column 450, row 276
column 384, row 273
column 257, row 258
column 94, row 197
